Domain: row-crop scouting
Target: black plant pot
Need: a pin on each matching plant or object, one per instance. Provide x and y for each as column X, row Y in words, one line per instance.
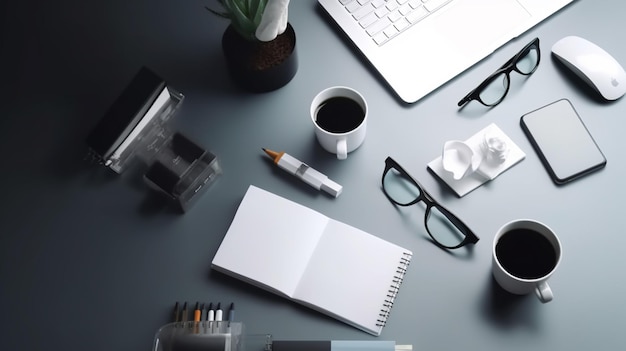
column 257, row 66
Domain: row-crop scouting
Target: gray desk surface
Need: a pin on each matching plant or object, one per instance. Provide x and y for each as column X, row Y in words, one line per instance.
column 89, row 261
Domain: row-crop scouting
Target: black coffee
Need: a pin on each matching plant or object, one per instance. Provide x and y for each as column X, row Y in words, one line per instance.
column 339, row 115
column 525, row 254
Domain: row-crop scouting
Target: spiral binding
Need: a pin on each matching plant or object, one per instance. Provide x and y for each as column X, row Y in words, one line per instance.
column 394, row 288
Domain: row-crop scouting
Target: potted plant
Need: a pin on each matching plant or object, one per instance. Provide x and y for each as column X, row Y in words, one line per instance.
column 259, row 44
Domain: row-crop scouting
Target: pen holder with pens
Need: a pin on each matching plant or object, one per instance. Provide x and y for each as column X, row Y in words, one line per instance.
column 200, row 335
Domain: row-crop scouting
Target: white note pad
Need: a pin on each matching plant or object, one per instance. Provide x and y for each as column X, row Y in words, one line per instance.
column 305, row 256
column 486, row 171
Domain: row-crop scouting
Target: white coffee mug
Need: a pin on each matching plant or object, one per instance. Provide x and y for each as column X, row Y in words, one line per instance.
column 525, row 255
column 351, row 124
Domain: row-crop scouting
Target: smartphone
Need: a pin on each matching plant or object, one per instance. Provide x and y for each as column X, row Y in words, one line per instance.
column 562, row 141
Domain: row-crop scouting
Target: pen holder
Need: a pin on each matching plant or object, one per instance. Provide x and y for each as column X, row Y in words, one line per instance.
column 202, row 335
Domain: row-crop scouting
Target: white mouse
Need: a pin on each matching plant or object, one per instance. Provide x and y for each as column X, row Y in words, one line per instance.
column 594, row 65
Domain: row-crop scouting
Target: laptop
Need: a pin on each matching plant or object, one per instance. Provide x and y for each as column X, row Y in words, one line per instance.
column 422, row 44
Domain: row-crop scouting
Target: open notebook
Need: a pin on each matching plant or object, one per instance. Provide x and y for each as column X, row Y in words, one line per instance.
column 322, row 263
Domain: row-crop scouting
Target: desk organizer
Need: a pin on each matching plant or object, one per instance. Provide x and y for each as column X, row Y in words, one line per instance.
column 201, row 335
column 209, row 336
column 135, row 130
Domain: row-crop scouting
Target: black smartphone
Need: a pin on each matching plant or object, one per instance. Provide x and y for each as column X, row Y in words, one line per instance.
column 562, row 141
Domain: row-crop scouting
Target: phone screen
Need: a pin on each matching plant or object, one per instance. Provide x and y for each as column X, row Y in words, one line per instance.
column 562, row 141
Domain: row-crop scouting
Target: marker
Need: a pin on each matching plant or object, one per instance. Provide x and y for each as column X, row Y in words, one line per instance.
column 307, row 174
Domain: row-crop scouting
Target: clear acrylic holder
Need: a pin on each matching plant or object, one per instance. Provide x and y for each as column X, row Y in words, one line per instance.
column 209, row 336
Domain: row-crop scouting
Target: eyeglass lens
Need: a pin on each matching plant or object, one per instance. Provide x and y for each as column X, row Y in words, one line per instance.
column 498, row 85
column 404, row 191
column 401, row 189
column 442, row 230
column 527, row 63
column 495, row 90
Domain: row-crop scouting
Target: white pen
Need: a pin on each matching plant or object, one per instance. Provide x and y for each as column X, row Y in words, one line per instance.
column 301, row 170
column 219, row 313
column 210, row 313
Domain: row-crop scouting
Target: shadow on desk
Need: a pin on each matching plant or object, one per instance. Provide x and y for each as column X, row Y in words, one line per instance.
column 509, row 311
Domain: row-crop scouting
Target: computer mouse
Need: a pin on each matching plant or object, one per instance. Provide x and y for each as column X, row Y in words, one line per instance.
column 593, row 65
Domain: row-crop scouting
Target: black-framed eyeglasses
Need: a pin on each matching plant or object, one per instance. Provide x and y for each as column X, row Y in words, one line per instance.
column 493, row 89
column 446, row 229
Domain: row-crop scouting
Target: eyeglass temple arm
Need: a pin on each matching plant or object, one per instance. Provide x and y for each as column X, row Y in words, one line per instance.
column 466, row 99
column 463, row 227
column 454, row 219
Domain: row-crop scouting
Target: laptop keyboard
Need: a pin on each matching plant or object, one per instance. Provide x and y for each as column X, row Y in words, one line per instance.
column 382, row 20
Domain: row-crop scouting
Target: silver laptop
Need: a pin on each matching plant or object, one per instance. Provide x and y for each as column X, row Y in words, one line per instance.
column 418, row 45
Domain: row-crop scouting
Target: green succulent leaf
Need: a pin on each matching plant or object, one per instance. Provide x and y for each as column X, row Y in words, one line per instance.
column 257, row 10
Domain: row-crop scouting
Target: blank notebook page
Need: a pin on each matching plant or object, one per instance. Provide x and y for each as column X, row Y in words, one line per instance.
column 278, row 256
column 309, row 258
column 350, row 274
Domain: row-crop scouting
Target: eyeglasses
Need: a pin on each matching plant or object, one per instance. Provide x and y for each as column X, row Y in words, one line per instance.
column 446, row 229
column 493, row 89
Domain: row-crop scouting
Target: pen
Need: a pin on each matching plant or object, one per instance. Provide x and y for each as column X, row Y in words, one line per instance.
column 218, row 313
column 231, row 315
column 197, row 313
column 197, row 316
column 206, row 317
column 307, row 174
column 176, row 312
column 210, row 313
column 219, row 317
column 184, row 316
column 231, row 312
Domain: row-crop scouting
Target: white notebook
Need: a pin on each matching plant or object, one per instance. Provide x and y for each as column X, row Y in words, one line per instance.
column 314, row 260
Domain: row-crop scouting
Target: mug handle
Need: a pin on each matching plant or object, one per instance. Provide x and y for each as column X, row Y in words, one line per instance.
column 544, row 293
column 342, row 149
